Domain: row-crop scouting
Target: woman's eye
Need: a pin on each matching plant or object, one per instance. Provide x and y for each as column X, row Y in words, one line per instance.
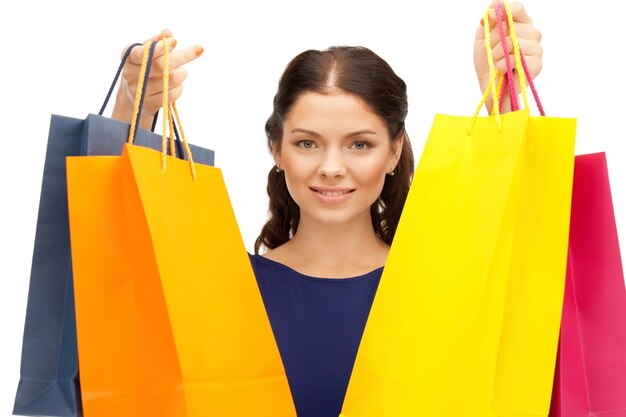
column 360, row 145
column 306, row 144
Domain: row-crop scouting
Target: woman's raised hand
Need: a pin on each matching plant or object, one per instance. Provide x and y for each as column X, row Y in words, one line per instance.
column 125, row 97
column 529, row 39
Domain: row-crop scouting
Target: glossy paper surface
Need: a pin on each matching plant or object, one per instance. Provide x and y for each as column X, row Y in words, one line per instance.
column 466, row 317
column 165, row 294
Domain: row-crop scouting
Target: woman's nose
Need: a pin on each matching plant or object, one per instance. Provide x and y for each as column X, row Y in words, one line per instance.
column 332, row 163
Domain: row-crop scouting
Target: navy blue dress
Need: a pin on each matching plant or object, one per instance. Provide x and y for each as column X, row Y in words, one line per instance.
column 318, row 324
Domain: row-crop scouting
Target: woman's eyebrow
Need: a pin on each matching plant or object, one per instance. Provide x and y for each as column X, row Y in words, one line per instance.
column 313, row 133
column 308, row 132
column 362, row 132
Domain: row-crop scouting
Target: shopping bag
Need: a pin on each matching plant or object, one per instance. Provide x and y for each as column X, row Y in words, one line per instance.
column 590, row 379
column 170, row 319
column 49, row 369
column 530, row 329
column 49, row 366
column 480, row 248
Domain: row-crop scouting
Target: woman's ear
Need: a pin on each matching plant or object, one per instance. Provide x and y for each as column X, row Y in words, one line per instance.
column 396, row 151
column 277, row 158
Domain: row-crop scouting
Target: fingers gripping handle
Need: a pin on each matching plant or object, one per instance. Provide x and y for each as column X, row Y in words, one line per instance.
column 501, row 12
column 520, row 66
column 146, row 64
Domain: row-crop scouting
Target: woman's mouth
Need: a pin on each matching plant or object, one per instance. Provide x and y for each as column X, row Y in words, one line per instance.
column 332, row 195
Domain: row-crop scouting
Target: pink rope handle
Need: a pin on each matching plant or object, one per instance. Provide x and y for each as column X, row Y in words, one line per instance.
column 504, row 91
column 532, row 86
column 509, row 69
column 499, row 7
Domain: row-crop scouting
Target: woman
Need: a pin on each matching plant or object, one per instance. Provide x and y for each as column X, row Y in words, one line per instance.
column 343, row 166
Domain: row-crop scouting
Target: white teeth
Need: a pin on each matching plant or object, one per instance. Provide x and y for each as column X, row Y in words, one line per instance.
column 332, row 193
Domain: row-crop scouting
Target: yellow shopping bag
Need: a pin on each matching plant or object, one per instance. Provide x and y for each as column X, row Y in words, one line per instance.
column 170, row 318
column 466, row 317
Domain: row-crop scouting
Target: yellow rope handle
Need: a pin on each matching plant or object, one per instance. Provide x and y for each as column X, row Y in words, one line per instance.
column 142, row 76
column 492, row 70
column 499, row 94
column 172, row 134
column 518, row 57
column 167, row 113
column 168, row 119
column 192, row 167
column 491, row 88
column 495, row 111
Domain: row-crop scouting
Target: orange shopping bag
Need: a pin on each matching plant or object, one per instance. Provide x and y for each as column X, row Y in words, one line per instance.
column 169, row 316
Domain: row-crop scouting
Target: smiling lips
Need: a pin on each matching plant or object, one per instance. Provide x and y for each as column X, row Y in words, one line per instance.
column 332, row 195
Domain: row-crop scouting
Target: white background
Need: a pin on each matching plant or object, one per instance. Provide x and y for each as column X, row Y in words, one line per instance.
column 60, row 56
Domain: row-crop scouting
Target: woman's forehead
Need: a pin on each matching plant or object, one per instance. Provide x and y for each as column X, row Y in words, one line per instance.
column 337, row 111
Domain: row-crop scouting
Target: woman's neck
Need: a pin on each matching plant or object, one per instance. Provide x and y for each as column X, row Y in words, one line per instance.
column 332, row 251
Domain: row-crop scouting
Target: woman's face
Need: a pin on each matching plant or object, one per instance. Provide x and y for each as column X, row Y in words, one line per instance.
column 335, row 153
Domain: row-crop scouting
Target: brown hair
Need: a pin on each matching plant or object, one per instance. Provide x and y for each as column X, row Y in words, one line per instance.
column 358, row 71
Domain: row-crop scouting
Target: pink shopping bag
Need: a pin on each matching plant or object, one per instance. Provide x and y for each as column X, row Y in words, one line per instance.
column 590, row 377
